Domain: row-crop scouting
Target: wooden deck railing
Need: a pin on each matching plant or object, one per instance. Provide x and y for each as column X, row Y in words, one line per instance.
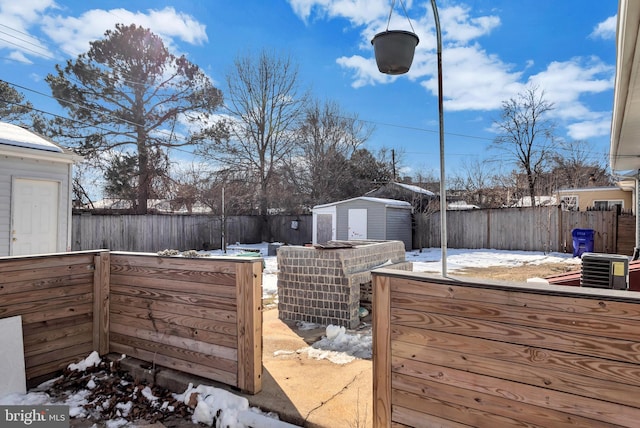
column 201, row 315
column 454, row 353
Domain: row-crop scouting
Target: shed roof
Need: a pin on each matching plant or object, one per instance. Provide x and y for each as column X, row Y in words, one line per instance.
column 386, row 202
column 18, row 141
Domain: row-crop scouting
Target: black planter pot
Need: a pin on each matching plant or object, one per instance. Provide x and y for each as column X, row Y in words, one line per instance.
column 394, row 50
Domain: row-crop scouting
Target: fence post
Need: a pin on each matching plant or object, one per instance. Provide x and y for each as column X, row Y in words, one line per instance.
column 249, row 304
column 101, row 281
column 381, row 351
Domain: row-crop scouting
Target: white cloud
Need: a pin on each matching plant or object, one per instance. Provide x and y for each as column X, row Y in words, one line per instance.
column 474, row 80
column 20, row 57
column 565, row 82
column 74, row 34
column 598, row 127
column 605, row 29
column 17, row 17
column 365, row 71
column 359, row 12
column 459, row 26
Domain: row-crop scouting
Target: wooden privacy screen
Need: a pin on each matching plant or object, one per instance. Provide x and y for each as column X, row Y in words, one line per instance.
column 54, row 296
column 201, row 316
column 449, row 353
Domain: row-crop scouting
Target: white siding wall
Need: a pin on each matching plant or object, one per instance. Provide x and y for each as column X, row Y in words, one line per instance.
column 376, row 225
column 13, row 167
column 399, row 226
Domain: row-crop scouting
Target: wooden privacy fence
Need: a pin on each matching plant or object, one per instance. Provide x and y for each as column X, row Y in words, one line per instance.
column 202, row 315
column 156, row 232
column 449, row 353
column 528, row 229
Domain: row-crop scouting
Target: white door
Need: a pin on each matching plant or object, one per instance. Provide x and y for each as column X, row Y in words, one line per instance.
column 34, row 216
column 357, row 223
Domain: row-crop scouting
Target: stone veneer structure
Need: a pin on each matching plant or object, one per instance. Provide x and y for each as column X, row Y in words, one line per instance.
column 323, row 286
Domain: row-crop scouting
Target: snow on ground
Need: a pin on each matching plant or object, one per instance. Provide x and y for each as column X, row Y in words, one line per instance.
column 96, row 390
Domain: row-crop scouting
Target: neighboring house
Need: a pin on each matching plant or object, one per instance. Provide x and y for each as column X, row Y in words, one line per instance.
column 363, row 218
column 598, row 198
column 541, row 201
column 418, row 197
column 461, row 206
column 35, row 193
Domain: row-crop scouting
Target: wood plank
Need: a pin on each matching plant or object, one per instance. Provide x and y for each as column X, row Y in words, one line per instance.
column 54, row 365
column 614, row 349
column 216, row 338
column 381, row 348
column 173, row 285
column 571, row 323
column 477, row 409
column 50, row 310
column 46, row 283
column 184, row 275
column 46, row 294
column 54, row 339
column 202, row 264
column 572, row 303
column 120, row 302
column 473, row 383
column 212, row 361
column 46, row 327
column 45, row 262
column 249, row 321
column 556, row 370
column 164, row 338
column 53, row 346
column 403, row 416
column 176, row 364
column 203, row 300
column 101, row 312
column 163, row 321
column 432, row 406
column 45, row 274
column 83, row 348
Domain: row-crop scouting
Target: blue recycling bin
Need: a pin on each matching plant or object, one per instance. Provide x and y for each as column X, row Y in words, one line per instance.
column 582, row 241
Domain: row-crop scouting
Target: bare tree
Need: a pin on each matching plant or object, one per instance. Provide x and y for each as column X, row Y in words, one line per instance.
column 327, row 137
column 574, row 166
column 264, row 106
column 526, row 133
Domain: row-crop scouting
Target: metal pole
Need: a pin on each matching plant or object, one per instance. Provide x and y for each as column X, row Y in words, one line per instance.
column 443, row 194
column 636, row 250
column 223, row 226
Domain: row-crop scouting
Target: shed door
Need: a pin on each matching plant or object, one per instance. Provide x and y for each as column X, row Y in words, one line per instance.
column 34, row 216
column 357, row 223
column 325, row 228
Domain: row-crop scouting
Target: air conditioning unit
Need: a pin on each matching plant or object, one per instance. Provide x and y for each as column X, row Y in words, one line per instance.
column 605, row 271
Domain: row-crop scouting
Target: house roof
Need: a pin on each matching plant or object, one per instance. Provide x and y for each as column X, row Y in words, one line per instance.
column 386, row 202
column 17, row 141
column 625, row 124
column 415, row 189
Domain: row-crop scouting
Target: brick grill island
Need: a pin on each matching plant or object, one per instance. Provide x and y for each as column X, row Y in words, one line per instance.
column 323, row 285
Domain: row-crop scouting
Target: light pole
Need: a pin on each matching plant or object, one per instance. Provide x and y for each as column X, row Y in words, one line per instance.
column 394, row 54
column 443, row 191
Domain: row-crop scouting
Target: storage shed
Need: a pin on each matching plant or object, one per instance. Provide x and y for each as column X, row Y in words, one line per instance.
column 35, row 193
column 363, row 218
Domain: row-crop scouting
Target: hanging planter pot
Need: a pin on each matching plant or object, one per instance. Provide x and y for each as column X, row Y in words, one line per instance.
column 394, row 50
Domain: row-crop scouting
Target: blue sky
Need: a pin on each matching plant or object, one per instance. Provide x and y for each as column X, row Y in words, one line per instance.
column 492, row 50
